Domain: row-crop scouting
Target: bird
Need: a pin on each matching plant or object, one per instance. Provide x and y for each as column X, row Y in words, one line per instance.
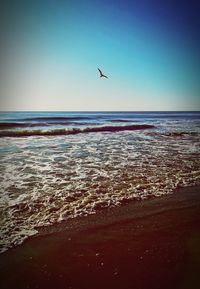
column 101, row 74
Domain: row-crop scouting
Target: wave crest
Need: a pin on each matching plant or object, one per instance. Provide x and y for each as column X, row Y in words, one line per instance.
column 59, row 132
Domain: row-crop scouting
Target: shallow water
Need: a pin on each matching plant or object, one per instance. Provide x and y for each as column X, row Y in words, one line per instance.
column 46, row 179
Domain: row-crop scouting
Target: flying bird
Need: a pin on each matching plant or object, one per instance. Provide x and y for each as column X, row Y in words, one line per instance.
column 101, row 74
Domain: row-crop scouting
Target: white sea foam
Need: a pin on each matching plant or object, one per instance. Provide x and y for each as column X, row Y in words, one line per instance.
column 45, row 180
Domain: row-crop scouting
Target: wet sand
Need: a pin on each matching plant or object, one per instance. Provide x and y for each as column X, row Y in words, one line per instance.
column 146, row 244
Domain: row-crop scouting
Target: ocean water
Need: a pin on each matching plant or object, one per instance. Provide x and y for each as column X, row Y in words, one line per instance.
column 59, row 165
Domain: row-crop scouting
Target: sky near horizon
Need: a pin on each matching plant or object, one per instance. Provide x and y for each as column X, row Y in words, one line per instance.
column 50, row 52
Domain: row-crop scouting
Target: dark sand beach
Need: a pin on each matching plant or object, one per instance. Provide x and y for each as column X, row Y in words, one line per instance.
column 146, row 244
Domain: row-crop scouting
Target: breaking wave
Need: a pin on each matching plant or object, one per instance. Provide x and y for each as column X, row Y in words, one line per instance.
column 70, row 131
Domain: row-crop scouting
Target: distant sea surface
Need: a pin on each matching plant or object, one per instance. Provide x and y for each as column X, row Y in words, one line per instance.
column 60, row 165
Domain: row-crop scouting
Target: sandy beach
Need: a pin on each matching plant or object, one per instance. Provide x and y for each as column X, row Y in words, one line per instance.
column 145, row 244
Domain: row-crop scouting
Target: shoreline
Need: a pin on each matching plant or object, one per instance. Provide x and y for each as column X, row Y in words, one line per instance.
column 132, row 209
column 152, row 243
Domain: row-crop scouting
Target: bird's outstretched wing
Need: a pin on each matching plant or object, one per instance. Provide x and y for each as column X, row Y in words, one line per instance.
column 100, row 71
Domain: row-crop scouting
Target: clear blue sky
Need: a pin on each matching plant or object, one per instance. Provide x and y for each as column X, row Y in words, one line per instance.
column 148, row 49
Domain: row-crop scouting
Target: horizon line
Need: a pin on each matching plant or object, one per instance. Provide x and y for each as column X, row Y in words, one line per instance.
column 4, row 111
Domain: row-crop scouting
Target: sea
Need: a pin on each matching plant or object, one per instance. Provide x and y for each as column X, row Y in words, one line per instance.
column 55, row 166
